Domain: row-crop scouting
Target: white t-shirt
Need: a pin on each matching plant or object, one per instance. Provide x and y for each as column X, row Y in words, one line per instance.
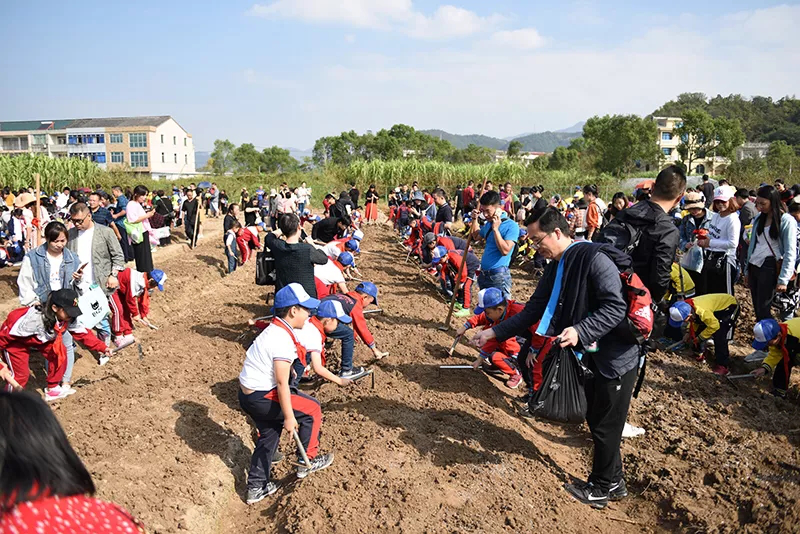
column 310, row 338
column 332, row 250
column 724, row 235
column 258, row 371
column 85, row 254
column 302, row 195
column 328, row 274
column 55, row 275
column 762, row 249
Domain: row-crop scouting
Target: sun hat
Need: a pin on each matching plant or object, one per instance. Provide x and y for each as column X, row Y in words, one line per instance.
column 693, row 200
column 23, row 200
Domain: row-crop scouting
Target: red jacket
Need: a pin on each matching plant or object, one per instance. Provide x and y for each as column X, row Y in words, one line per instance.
column 136, row 306
column 43, row 341
column 467, row 195
column 509, row 346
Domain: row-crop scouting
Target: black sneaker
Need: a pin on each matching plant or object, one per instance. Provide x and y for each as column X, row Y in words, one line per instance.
column 618, row 491
column 354, row 373
column 256, row 494
column 277, row 458
column 317, row 464
column 588, row 493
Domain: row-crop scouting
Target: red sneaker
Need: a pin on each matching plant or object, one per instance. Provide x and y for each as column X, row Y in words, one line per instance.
column 701, row 357
column 514, row 381
column 720, row 370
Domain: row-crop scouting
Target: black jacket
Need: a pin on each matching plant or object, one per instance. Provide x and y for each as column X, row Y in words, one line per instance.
column 590, row 300
column 325, row 230
column 294, row 262
column 652, row 259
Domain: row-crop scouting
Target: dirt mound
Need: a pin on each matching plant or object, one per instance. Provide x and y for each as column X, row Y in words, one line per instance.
column 425, row 450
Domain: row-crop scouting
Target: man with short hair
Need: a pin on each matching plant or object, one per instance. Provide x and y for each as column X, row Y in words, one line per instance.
column 579, row 299
column 444, row 213
column 330, row 228
column 191, row 207
column 707, row 188
column 100, row 215
column 97, row 247
column 747, row 212
column 501, row 235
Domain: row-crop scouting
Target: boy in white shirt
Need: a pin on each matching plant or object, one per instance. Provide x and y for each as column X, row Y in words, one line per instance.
column 265, row 394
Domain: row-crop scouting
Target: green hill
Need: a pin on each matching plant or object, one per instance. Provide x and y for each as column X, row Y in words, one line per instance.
column 536, row 142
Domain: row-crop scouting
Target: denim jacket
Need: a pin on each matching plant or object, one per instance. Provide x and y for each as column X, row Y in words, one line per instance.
column 41, row 270
column 787, row 247
column 688, row 227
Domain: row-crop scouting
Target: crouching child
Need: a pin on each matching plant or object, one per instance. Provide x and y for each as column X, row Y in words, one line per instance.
column 783, row 341
column 709, row 317
column 266, row 396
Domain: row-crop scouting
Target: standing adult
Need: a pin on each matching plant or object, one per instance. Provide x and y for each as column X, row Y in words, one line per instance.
column 580, row 300
column 230, row 217
column 707, row 188
column 772, row 251
column 458, row 198
column 501, row 235
column 294, row 261
column 444, row 213
column 137, row 214
column 191, row 209
column 698, row 218
column 100, row 215
column 747, row 212
column 371, row 204
column 354, row 194
column 719, row 258
column 48, row 268
column 303, row 196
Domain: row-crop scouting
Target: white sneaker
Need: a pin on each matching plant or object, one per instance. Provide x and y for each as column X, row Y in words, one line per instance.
column 123, row 341
column 756, row 356
column 54, row 394
column 68, row 389
column 631, row 431
column 103, row 360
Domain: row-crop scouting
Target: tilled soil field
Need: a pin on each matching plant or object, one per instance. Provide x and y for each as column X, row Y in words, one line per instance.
column 423, row 450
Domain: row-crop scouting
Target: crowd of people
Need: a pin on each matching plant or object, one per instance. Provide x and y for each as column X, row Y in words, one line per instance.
column 684, row 249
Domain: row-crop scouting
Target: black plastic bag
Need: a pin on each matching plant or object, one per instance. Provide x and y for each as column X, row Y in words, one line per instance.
column 561, row 396
column 265, row 268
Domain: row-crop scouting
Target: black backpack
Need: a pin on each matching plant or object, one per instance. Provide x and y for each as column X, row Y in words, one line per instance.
column 265, row 268
column 621, row 235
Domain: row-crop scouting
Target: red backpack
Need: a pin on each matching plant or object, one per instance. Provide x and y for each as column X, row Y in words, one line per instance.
column 639, row 315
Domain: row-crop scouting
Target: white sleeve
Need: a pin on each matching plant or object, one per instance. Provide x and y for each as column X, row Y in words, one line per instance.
column 26, row 283
column 309, row 337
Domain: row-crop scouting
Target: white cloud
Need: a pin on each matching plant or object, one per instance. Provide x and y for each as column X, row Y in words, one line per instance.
column 585, row 13
column 524, row 39
column 400, row 15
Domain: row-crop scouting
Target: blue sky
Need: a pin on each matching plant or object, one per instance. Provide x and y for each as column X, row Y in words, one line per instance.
column 286, row 72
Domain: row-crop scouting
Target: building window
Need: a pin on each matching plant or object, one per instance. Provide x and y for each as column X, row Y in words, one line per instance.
column 666, row 136
column 176, row 158
column 162, row 139
column 138, row 159
column 184, row 141
column 186, row 159
column 115, row 138
column 101, row 139
column 39, row 139
column 138, row 140
column 162, row 158
column 61, row 140
column 174, row 139
column 667, row 151
column 117, row 157
column 662, row 123
column 100, row 157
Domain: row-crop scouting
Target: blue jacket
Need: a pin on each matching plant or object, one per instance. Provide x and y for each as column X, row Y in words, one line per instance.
column 41, row 270
column 688, row 227
column 787, row 247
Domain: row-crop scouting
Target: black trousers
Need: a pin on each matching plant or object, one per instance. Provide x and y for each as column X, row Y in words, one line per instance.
column 717, row 280
column 762, row 281
column 609, row 400
column 264, row 408
column 189, row 229
column 780, row 380
column 727, row 321
column 125, row 244
column 143, row 255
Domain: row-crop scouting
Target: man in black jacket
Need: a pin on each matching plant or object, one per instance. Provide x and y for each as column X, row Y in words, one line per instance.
column 653, row 256
column 579, row 299
column 294, row 261
column 329, row 228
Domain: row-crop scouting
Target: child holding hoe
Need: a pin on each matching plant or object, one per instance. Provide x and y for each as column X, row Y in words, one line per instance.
column 266, row 396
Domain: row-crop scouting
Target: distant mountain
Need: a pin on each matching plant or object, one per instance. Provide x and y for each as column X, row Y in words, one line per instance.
column 535, row 142
column 575, row 128
column 299, row 154
column 463, row 141
column 511, row 138
column 200, row 159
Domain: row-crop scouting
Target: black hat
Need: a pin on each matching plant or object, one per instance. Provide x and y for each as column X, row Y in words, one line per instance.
column 66, row 299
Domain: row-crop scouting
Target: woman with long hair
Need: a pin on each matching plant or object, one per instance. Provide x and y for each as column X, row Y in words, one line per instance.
column 772, row 251
column 371, row 207
column 50, row 267
column 719, row 257
column 136, row 213
column 42, row 328
column 43, row 483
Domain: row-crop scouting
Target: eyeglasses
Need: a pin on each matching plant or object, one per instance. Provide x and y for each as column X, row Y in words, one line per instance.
column 537, row 244
column 79, row 221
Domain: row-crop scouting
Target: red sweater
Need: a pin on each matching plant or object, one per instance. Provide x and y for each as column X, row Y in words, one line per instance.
column 13, row 334
column 136, row 306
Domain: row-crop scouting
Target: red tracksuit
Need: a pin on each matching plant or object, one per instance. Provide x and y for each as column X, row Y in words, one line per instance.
column 246, row 241
column 324, row 290
column 125, row 305
column 23, row 331
column 352, row 305
column 449, row 271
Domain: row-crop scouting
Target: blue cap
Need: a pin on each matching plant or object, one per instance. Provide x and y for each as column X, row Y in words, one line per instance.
column 294, row 295
column 346, row 259
column 438, row 253
column 370, row 289
column 352, row 244
column 765, row 331
column 160, row 277
column 489, row 298
column 332, row 309
column 678, row 313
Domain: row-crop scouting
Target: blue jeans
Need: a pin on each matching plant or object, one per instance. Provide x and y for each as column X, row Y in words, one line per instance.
column 301, row 206
column 70, row 345
column 501, row 280
column 345, row 333
column 231, row 261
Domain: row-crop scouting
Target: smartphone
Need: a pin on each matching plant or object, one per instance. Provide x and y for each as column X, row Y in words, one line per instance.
column 80, row 269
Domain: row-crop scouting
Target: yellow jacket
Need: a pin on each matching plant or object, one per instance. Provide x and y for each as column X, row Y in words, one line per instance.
column 704, row 308
column 687, row 283
column 775, row 356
